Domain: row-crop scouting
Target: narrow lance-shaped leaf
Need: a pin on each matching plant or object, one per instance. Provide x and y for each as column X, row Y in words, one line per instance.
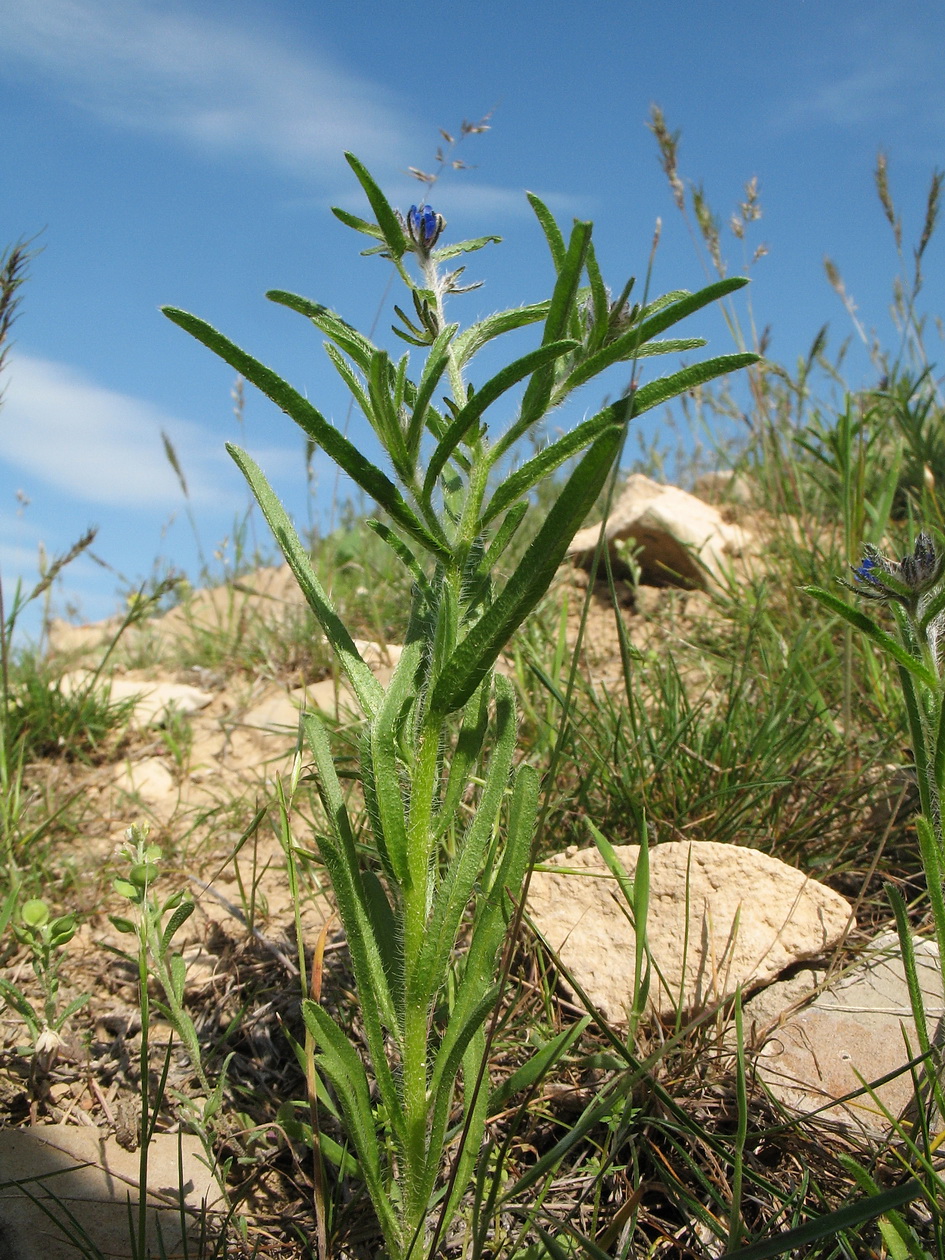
column 452, row 897
column 446, row 252
column 545, row 462
column 600, row 308
column 626, row 348
column 360, row 225
column 478, row 652
column 344, row 453
column 469, row 342
column 349, row 376
column 503, row 536
column 436, row 364
column 387, row 221
column 384, row 731
column 675, row 311
column 340, row 1063
column 550, row 228
column 667, row 387
column 384, row 415
column 868, row 626
column 366, row 687
column 345, row 337
column 483, row 398
column 356, row 907
column 538, row 394
column 917, row 731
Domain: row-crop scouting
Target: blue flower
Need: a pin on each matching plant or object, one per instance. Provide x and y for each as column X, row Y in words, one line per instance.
column 424, row 226
column 905, row 581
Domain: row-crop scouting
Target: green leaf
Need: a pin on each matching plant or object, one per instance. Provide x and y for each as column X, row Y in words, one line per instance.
column 667, row 387
column 385, row 729
column 920, row 748
column 538, row 394
column 534, row 470
column 387, row 220
column 860, row 621
column 352, row 381
column 178, row 976
column 452, row 897
column 340, row 1063
column 503, row 536
column 504, row 883
column 346, row 337
column 493, row 389
column 366, row 687
column 460, row 1033
column 180, row 916
column 471, row 341
column 551, row 230
column 469, row 741
column 436, row 363
column 535, row 1068
column 674, row 311
column 402, row 551
column 383, row 414
column 478, row 652
column 344, row 453
column 600, row 306
column 445, row 252
column 358, row 911
column 625, row 348
column 359, row 225
column 831, row 1224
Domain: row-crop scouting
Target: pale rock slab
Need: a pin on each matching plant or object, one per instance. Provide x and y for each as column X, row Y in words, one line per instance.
column 153, row 698
column 150, row 782
column 720, row 915
column 855, row 1030
column 684, row 541
column 79, row 1170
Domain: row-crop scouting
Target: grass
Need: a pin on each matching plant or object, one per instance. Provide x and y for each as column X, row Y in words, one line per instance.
column 745, row 716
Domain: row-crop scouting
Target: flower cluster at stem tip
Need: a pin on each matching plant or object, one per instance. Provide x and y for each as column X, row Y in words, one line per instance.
column 906, row 582
column 424, row 227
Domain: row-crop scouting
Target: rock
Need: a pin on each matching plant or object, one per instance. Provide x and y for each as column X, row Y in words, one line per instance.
column 725, row 486
column 720, row 915
column 855, row 1030
column 66, row 639
column 683, row 541
column 79, row 1173
column 151, row 783
column 153, row 698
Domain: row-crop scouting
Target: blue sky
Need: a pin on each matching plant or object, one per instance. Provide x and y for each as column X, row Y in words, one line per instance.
column 187, row 152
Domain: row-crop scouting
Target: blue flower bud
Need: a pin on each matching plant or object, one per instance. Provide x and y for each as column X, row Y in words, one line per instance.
column 424, row 226
column 877, row 577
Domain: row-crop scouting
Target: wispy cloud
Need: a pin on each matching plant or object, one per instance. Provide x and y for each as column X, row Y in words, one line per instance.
column 203, row 78
column 878, row 83
column 59, row 428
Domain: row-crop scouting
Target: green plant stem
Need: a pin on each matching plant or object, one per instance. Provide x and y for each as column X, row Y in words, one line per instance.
column 144, row 1087
column 417, row 1003
column 431, row 278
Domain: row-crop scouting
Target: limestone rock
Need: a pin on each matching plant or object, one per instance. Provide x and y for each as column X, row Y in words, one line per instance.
column 683, row 541
column 151, row 783
column 720, row 915
column 857, row 1027
column 153, row 698
column 80, row 1172
column 725, row 486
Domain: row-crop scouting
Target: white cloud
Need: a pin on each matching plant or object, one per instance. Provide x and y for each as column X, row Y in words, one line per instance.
column 208, row 80
column 98, row 445
column 888, row 74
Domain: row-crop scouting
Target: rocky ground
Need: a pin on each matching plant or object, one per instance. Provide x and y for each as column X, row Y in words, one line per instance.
column 199, row 761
